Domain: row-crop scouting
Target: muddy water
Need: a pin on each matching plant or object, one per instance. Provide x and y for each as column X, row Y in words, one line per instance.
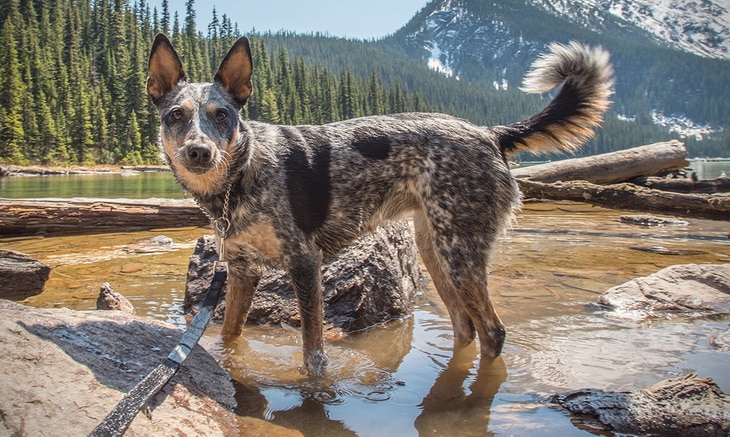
column 403, row 378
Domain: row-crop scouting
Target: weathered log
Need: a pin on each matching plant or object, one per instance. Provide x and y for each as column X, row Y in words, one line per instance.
column 612, row 167
column 631, row 197
column 685, row 185
column 82, row 215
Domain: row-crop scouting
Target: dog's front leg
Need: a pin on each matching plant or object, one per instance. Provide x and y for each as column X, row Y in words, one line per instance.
column 242, row 282
column 305, row 271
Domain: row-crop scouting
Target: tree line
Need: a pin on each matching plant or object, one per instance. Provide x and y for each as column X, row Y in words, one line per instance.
column 73, row 74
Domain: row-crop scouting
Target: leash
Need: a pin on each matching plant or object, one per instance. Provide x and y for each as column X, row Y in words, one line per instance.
column 119, row 419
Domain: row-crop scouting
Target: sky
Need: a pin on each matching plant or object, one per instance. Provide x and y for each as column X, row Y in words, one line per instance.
column 343, row 18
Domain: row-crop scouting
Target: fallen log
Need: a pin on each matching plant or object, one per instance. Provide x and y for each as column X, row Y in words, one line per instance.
column 685, row 185
column 631, row 197
column 19, row 217
column 612, row 167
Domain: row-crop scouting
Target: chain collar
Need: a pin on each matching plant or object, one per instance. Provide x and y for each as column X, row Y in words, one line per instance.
column 221, row 225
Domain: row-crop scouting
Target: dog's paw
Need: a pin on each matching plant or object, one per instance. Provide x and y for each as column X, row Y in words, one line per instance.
column 315, row 364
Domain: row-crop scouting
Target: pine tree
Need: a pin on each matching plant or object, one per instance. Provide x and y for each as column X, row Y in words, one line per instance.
column 11, row 93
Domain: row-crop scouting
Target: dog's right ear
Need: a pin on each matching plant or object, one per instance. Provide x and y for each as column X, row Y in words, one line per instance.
column 165, row 69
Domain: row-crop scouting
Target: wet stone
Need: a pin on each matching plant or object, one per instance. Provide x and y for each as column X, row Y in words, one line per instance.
column 690, row 289
column 21, row 276
column 369, row 283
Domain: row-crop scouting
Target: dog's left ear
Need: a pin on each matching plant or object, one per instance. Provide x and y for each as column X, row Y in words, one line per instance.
column 234, row 73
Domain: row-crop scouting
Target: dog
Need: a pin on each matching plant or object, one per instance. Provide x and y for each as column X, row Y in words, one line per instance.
column 291, row 196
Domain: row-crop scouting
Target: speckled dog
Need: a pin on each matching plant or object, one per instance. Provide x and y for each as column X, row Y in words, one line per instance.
column 298, row 194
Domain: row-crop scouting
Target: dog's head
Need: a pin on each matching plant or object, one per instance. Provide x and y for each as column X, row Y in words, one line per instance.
column 199, row 121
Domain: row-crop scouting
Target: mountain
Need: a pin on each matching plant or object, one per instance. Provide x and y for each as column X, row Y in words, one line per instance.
column 671, row 57
column 699, row 27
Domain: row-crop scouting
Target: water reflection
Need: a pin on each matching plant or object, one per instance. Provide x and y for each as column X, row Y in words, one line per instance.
column 450, row 406
column 403, row 378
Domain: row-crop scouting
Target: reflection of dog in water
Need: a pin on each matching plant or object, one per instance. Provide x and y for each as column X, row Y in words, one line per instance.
column 296, row 194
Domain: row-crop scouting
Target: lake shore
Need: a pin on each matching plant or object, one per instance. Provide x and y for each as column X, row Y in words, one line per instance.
column 39, row 170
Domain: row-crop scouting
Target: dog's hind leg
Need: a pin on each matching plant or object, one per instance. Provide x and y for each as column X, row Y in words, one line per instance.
column 464, row 330
column 242, row 282
column 458, row 267
column 305, row 271
column 472, row 289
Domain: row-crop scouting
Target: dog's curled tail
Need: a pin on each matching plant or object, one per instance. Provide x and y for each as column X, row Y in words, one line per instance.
column 569, row 119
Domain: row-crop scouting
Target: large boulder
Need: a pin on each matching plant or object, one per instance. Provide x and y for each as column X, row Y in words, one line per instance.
column 692, row 289
column 21, row 276
column 369, row 283
column 64, row 370
column 688, row 406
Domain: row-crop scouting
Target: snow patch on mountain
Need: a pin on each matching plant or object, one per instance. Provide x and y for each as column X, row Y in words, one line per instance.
column 682, row 125
column 436, row 61
column 700, row 27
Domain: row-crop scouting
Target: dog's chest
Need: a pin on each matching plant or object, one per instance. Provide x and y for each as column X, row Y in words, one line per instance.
column 260, row 237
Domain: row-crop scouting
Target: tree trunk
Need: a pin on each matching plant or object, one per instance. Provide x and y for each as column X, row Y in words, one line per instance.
column 631, row 197
column 82, row 216
column 612, row 167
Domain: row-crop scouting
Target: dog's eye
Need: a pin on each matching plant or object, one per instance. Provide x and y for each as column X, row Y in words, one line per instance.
column 221, row 115
column 176, row 114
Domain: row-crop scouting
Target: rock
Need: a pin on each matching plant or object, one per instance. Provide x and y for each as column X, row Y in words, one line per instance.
column 648, row 220
column 688, row 406
column 692, row 289
column 21, row 276
column 111, row 300
column 369, row 283
column 721, row 341
column 65, row 370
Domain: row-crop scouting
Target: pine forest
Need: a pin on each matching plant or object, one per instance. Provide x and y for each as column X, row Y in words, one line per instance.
column 73, row 72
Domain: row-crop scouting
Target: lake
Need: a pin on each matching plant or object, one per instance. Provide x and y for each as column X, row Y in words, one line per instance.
column 402, row 378
column 142, row 185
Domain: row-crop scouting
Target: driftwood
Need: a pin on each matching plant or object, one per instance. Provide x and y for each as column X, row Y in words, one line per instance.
column 685, row 185
column 611, row 167
column 80, row 216
column 631, row 197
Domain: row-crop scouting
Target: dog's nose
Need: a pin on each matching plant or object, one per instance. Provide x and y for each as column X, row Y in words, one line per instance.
column 199, row 153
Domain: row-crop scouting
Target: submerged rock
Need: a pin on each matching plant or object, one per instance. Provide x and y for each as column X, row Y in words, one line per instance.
column 650, row 220
column 688, row 406
column 369, row 283
column 21, row 276
column 692, row 289
column 111, row 300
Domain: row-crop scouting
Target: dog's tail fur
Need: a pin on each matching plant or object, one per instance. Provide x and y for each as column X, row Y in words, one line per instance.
column 569, row 119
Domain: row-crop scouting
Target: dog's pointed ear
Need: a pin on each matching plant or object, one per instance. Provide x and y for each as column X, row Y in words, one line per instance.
column 165, row 69
column 234, row 73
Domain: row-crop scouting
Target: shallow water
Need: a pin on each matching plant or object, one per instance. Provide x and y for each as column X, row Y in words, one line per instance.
column 403, row 378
